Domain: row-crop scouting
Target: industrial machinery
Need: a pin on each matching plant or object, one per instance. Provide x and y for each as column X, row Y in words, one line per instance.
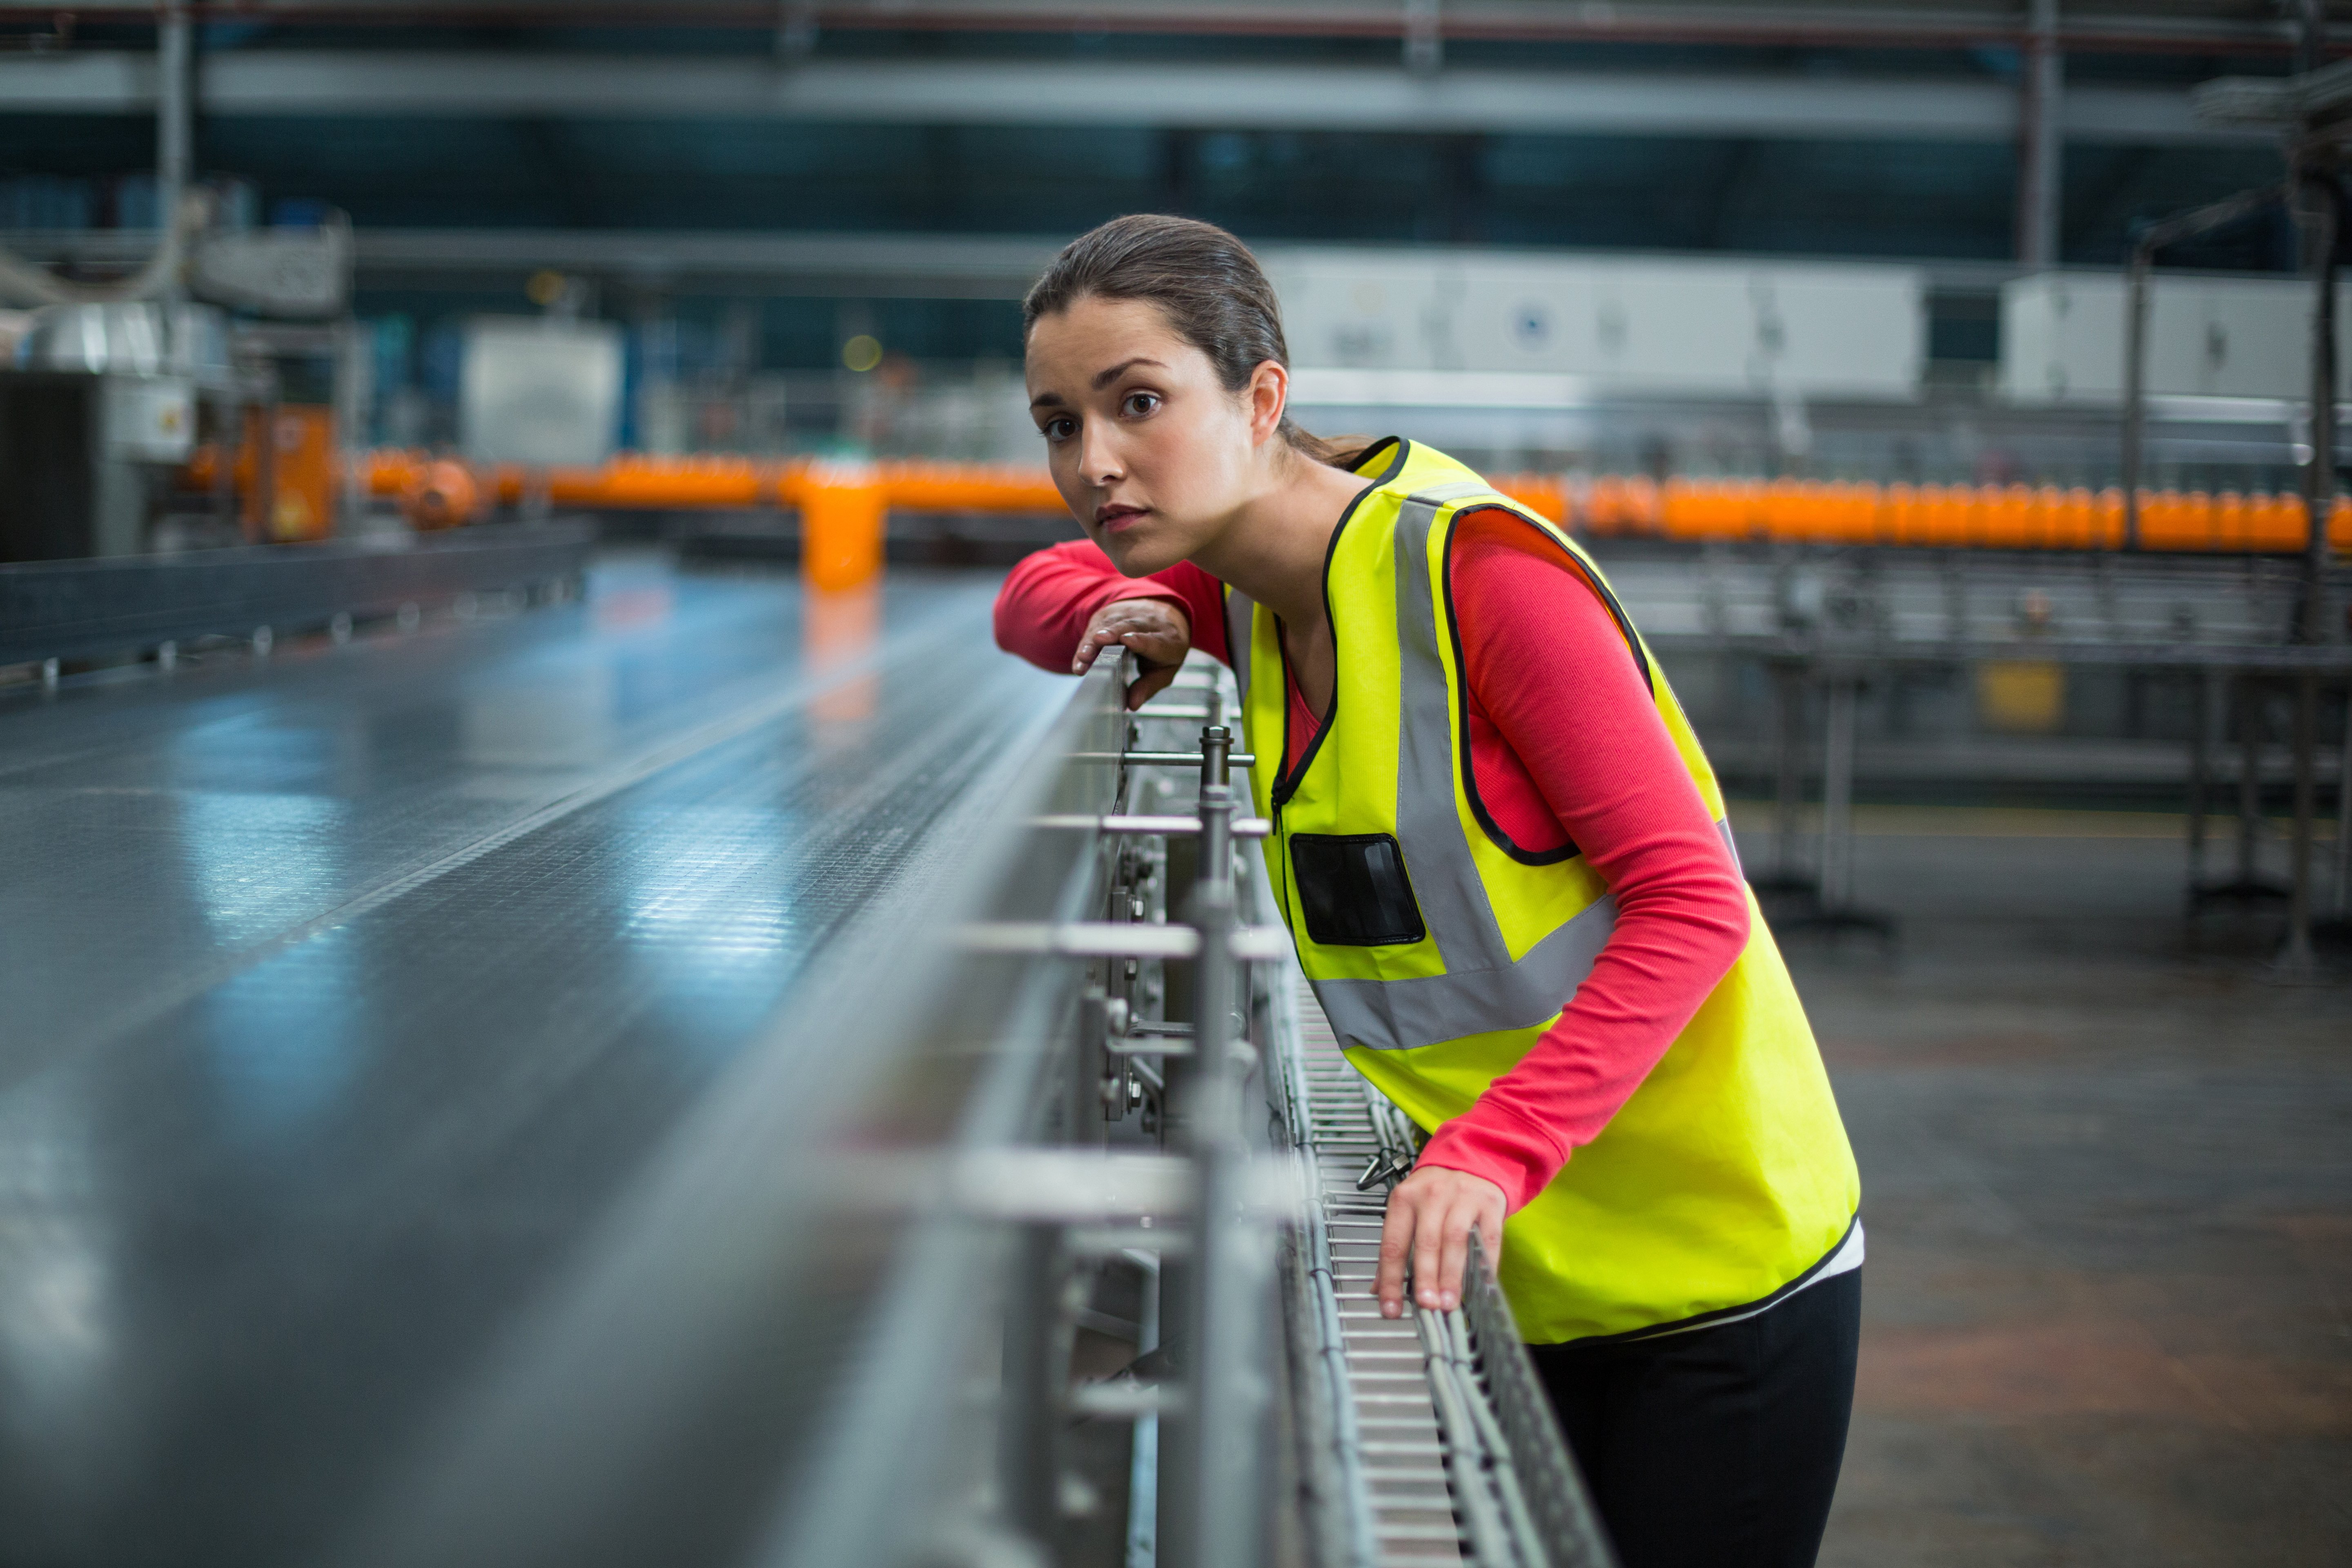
column 1066, row 1260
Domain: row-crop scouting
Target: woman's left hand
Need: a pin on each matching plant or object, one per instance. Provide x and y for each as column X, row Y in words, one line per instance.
column 1430, row 1217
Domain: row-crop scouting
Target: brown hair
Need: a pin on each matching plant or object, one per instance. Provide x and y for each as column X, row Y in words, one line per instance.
column 1205, row 282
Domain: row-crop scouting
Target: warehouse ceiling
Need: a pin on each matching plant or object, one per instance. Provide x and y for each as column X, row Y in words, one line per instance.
column 734, row 143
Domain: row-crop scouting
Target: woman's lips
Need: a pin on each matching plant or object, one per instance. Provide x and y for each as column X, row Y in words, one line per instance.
column 1112, row 519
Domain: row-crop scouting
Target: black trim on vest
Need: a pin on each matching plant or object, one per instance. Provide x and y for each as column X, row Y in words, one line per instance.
column 1502, row 840
column 1701, row 1320
column 1286, row 782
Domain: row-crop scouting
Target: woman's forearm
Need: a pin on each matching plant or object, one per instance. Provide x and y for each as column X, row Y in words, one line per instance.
column 1554, row 682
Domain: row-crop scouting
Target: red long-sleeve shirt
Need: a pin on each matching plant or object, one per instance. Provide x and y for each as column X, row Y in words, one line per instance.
column 1566, row 745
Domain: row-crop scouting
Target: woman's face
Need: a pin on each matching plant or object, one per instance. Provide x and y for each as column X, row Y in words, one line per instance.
column 1153, row 455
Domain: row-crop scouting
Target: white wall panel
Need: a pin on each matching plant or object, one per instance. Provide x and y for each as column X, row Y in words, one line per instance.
column 1720, row 329
column 2062, row 338
column 1368, row 309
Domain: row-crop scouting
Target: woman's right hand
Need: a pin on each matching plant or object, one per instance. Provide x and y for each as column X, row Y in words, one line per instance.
column 1159, row 633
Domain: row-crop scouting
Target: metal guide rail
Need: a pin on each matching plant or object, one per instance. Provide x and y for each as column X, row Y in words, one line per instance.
column 1422, row 1439
column 1446, row 1451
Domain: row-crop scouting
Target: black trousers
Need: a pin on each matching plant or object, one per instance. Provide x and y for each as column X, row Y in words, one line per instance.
column 1718, row 1447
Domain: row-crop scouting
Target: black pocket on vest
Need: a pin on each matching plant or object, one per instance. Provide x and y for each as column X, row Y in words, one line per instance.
column 1353, row 890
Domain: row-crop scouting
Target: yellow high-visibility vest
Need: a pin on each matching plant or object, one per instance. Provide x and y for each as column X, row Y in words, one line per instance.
column 1441, row 951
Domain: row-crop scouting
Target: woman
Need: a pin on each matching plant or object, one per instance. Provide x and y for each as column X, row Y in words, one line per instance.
column 1501, row 853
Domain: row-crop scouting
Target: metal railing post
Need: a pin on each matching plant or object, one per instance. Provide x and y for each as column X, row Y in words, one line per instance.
column 2250, row 778
column 2143, row 258
column 2344, row 818
column 1026, row 1459
column 1788, row 770
column 2171, row 230
column 2317, row 213
column 2298, row 953
column 2206, row 713
column 1837, row 792
column 1214, row 1492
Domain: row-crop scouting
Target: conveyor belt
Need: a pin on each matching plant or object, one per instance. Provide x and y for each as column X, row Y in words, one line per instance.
column 343, row 992
column 1441, row 1449
column 1398, row 1442
column 1446, row 1443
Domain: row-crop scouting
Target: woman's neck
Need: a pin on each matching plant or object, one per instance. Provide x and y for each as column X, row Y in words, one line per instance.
column 1274, row 547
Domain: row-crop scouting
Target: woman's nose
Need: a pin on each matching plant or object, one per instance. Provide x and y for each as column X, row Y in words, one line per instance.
column 1097, row 461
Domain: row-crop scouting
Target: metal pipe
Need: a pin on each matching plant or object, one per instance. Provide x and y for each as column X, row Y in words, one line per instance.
column 1143, row 1463
column 2143, row 257
column 2249, row 780
column 2042, row 156
column 174, row 115
column 1789, row 769
column 2206, row 708
column 1837, row 793
column 2299, row 901
column 2344, row 817
column 2318, row 211
column 1215, row 1495
column 263, row 526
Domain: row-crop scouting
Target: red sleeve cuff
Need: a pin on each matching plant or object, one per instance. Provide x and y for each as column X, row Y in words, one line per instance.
column 1493, row 1141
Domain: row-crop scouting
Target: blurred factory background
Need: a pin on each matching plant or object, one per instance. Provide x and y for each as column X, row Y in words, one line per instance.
column 1847, row 273
column 805, row 229
column 1951, row 387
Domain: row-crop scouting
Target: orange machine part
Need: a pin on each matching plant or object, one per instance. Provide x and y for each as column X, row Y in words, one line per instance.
column 842, row 514
column 305, row 473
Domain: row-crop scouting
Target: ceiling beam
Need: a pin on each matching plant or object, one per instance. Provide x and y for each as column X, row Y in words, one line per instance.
column 857, row 265
column 2123, row 26
column 1311, row 97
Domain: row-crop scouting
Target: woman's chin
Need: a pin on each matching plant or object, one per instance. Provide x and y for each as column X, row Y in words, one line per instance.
column 1140, row 557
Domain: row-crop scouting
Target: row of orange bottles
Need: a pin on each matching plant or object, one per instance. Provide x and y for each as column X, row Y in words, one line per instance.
column 1996, row 517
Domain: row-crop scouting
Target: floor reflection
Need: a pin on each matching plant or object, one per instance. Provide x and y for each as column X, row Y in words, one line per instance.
column 842, row 629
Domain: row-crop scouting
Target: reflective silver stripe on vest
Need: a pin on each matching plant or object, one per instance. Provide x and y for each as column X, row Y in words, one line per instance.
column 1398, row 1014
column 1241, row 618
column 1446, row 881
column 1483, row 988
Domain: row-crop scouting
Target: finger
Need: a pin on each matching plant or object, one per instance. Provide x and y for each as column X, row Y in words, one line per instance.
column 1396, row 1236
column 1151, row 684
column 1490, row 1236
column 1428, row 1240
column 1453, row 1253
column 1093, row 643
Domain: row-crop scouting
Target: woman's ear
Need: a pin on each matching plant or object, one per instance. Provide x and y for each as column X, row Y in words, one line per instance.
column 1268, row 394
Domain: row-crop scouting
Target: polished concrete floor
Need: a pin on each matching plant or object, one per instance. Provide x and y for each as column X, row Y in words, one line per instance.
column 2108, row 1176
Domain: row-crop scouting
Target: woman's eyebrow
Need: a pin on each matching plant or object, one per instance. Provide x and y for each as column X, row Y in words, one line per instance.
column 1105, row 377
column 1047, row 400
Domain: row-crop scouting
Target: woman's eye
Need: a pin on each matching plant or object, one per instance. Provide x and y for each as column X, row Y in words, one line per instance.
column 1139, row 403
column 1057, row 429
